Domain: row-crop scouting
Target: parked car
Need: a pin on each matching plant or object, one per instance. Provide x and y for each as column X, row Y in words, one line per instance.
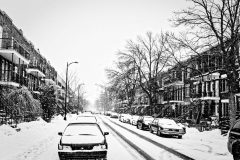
column 82, row 141
column 125, row 118
column 86, row 118
column 144, row 121
column 114, row 115
column 234, row 140
column 164, row 126
column 133, row 120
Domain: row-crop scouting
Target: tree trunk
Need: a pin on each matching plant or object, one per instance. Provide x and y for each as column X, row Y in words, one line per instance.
column 232, row 108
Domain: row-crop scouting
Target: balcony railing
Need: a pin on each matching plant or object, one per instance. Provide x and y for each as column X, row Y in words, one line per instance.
column 196, row 95
column 15, row 78
column 224, row 95
column 37, row 67
column 10, row 43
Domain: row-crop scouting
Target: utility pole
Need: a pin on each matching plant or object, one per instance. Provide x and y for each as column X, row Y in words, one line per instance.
column 66, row 90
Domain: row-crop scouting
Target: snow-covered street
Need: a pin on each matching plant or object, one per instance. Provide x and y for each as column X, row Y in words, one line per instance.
column 38, row 140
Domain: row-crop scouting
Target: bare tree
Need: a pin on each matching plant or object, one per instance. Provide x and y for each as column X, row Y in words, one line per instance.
column 148, row 57
column 214, row 25
column 123, row 82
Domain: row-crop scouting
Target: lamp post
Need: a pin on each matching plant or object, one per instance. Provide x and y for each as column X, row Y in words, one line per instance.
column 66, row 90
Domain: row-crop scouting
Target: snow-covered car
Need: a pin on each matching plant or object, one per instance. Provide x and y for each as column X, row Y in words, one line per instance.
column 82, row 141
column 234, row 140
column 114, row 115
column 133, row 120
column 86, row 119
column 164, row 126
column 125, row 118
column 144, row 121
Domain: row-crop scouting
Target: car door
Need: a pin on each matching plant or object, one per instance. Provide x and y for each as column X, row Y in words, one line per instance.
column 154, row 125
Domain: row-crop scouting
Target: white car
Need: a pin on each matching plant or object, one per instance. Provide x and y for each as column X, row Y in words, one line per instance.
column 86, row 118
column 133, row 120
column 125, row 118
column 164, row 126
column 82, row 141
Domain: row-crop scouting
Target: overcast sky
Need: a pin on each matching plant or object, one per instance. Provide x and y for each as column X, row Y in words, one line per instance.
column 88, row 31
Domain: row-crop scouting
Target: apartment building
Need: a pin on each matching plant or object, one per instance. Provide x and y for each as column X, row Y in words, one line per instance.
column 21, row 64
column 200, row 83
column 14, row 54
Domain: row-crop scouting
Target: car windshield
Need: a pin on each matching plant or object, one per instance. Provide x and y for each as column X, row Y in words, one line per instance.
column 87, row 119
column 82, row 129
column 148, row 118
column 167, row 121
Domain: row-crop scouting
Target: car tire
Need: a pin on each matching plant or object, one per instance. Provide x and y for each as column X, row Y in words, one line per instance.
column 179, row 137
column 140, row 126
column 236, row 151
column 159, row 133
column 151, row 131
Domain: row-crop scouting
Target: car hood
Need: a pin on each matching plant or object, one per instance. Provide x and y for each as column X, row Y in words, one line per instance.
column 89, row 139
column 171, row 126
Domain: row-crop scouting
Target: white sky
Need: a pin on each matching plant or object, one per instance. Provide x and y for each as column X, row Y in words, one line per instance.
column 88, row 31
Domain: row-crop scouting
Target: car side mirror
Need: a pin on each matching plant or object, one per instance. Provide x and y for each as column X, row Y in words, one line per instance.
column 106, row 133
column 60, row 133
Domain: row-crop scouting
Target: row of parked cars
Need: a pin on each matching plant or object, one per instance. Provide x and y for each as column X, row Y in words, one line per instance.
column 159, row 126
column 165, row 126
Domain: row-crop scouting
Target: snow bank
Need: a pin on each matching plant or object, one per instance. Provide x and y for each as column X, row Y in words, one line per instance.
column 6, row 130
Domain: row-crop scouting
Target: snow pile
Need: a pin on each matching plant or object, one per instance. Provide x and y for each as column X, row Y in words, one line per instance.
column 57, row 118
column 33, row 138
column 214, row 136
column 6, row 130
column 31, row 125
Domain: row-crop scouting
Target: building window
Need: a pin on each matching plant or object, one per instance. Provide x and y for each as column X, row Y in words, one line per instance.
column 223, row 85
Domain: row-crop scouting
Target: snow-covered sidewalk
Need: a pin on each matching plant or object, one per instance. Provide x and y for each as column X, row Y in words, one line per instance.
column 207, row 145
column 33, row 139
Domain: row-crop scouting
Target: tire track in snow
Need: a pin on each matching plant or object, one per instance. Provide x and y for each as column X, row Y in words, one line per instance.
column 176, row 153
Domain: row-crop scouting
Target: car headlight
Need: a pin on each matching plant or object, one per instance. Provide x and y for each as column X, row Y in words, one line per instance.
column 64, row 147
column 101, row 146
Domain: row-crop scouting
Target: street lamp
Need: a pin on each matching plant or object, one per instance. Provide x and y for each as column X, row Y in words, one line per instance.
column 66, row 88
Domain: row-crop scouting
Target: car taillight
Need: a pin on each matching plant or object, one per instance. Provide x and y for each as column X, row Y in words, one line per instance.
column 101, row 146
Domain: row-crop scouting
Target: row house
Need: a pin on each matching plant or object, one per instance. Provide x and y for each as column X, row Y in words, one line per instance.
column 60, row 93
column 199, row 83
column 20, row 63
column 36, row 71
column 14, row 54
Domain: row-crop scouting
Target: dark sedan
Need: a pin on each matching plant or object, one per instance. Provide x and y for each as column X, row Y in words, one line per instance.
column 234, row 140
column 82, row 141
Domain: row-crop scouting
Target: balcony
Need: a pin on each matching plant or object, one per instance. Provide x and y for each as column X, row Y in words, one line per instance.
column 224, row 95
column 14, row 51
column 173, row 81
column 14, row 80
column 36, row 70
column 196, row 95
column 209, row 96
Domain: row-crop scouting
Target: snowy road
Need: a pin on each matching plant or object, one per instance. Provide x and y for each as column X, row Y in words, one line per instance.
column 42, row 144
column 38, row 141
